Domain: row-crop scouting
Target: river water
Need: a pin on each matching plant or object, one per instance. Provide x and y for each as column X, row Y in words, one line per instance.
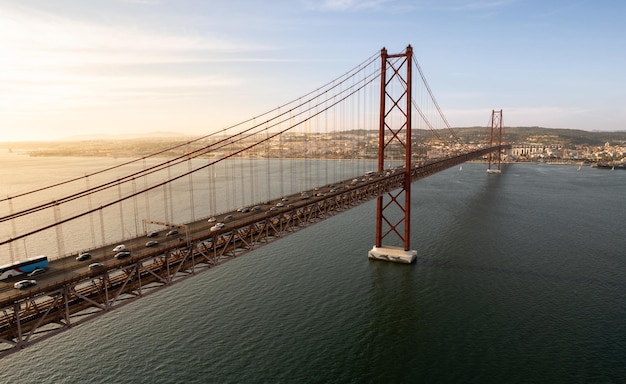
column 519, row 278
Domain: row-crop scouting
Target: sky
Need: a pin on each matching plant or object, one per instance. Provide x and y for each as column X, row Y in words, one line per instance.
column 73, row 68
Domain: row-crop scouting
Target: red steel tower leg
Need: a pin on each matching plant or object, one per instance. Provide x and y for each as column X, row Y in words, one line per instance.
column 496, row 135
column 393, row 210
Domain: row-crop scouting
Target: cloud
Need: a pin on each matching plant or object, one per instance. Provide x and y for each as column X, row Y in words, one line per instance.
column 43, row 39
column 347, row 5
column 472, row 5
column 142, row 2
column 50, row 62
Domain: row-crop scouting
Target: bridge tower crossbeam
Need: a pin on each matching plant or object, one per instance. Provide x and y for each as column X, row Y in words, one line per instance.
column 394, row 135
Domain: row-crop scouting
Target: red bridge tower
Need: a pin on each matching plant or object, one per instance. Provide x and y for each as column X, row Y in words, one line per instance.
column 496, row 135
column 393, row 213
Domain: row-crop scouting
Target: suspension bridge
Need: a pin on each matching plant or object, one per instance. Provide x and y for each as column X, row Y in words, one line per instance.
column 368, row 134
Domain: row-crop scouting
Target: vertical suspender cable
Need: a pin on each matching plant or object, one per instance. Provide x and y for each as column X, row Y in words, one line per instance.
column 166, row 210
column 59, row 231
column 241, row 181
column 119, row 196
column 295, row 186
column 280, row 165
column 251, row 178
column 192, row 203
column 212, row 191
column 91, row 224
column 13, row 229
column 102, row 236
column 147, row 194
column 171, row 199
column 267, row 171
column 135, row 207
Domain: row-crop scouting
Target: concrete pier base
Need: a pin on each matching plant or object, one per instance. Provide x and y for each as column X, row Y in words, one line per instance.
column 395, row 254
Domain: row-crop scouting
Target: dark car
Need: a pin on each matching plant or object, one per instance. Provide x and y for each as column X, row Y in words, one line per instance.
column 153, row 234
column 83, row 256
column 95, row 266
column 122, row 255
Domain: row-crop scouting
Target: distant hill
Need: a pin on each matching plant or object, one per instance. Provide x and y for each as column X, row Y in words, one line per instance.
column 162, row 142
column 562, row 136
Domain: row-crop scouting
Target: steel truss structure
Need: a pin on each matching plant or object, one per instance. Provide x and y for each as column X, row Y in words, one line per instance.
column 495, row 138
column 394, row 133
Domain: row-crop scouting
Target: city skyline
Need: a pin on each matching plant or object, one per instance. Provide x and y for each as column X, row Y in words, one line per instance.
column 139, row 66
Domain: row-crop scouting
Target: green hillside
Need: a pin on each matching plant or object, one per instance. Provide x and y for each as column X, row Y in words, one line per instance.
column 565, row 137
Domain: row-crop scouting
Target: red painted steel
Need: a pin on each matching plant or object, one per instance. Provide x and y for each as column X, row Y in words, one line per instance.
column 496, row 134
column 399, row 67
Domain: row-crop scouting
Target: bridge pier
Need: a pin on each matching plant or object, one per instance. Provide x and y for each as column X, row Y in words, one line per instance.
column 395, row 254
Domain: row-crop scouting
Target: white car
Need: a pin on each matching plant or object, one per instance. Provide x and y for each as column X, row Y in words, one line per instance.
column 119, row 248
column 83, row 256
column 24, row 284
column 212, row 220
column 217, row 227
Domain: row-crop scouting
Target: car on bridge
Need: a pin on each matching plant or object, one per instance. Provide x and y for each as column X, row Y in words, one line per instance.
column 153, row 234
column 22, row 284
column 119, row 248
column 83, row 256
column 122, row 255
column 212, row 220
column 217, row 227
column 172, row 232
column 36, row 271
column 152, row 243
column 95, row 266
